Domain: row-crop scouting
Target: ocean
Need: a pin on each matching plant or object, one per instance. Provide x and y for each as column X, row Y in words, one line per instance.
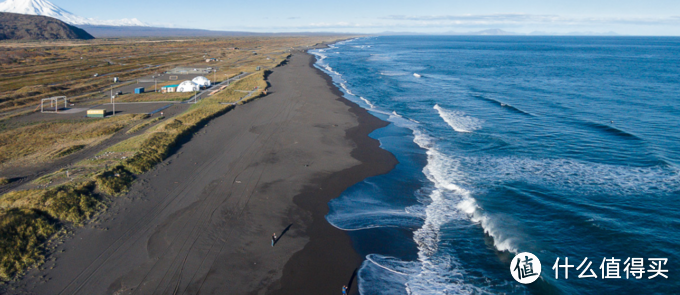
column 564, row 147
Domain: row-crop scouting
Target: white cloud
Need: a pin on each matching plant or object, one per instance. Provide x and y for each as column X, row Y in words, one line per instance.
column 528, row 19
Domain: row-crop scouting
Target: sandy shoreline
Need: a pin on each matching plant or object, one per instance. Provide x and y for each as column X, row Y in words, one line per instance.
column 201, row 221
column 329, row 256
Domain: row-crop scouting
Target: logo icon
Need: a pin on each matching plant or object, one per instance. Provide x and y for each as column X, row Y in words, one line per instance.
column 525, row 268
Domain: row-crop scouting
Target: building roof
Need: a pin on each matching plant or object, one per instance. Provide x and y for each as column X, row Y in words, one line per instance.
column 187, row 82
column 170, row 86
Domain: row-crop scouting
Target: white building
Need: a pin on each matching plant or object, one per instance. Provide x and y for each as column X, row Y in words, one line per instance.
column 202, row 81
column 188, row 86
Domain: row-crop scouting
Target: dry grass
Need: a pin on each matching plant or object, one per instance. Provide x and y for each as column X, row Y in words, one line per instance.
column 143, row 125
column 22, row 234
column 45, row 141
column 114, row 181
column 155, row 96
column 38, row 70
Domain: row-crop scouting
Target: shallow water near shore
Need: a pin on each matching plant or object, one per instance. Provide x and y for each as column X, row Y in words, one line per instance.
column 558, row 146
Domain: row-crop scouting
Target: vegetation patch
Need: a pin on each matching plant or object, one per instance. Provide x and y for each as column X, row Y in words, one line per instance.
column 69, row 150
column 114, row 181
column 22, row 235
column 143, row 125
column 4, row 181
column 155, row 96
column 44, row 141
column 69, row 203
column 29, row 218
column 152, row 151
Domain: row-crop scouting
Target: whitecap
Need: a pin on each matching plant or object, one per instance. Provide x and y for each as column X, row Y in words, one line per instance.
column 458, row 120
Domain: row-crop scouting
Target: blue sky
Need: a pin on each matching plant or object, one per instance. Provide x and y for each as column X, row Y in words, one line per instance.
column 649, row 17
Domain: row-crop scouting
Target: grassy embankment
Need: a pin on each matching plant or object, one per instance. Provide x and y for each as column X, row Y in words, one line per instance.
column 70, row 197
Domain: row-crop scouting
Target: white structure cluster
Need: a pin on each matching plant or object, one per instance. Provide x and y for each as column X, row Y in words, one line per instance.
column 194, row 85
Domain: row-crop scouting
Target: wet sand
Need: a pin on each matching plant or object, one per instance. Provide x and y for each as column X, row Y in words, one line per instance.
column 201, row 222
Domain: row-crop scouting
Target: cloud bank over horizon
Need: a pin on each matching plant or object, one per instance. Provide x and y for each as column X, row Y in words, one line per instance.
column 626, row 17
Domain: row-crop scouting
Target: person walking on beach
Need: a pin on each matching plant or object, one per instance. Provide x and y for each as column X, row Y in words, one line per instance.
column 273, row 239
column 344, row 290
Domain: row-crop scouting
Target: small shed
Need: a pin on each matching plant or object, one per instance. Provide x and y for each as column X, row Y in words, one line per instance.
column 139, row 90
column 169, row 88
column 96, row 113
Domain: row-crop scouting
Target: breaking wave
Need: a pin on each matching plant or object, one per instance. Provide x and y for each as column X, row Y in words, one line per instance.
column 370, row 104
column 458, row 120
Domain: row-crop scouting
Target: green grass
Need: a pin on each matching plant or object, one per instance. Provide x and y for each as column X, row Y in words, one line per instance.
column 69, row 203
column 154, row 96
column 22, row 235
column 29, row 218
column 143, row 125
column 115, row 181
column 69, row 150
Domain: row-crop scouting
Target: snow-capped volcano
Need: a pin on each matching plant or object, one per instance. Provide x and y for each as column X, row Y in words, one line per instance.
column 46, row 8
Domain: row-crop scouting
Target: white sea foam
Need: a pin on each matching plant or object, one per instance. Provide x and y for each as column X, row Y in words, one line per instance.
column 458, row 120
column 320, row 56
column 388, row 275
column 451, row 201
column 575, row 176
column 331, row 71
column 373, row 217
column 393, row 73
column 346, row 89
column 370, row 104
column 379, row 57
column 382, row 275
column 435, row 272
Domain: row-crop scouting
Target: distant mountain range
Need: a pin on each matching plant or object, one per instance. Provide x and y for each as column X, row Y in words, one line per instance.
column 46, row 8
column 35, row 27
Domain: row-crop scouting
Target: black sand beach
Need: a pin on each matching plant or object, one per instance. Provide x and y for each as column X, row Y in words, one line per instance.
column 201, row 222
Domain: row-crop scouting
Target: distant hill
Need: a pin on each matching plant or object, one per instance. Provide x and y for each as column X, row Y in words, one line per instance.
column 138, row 31
column 33, row 27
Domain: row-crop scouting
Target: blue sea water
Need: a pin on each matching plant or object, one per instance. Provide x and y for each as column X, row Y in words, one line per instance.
column 558, row 146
